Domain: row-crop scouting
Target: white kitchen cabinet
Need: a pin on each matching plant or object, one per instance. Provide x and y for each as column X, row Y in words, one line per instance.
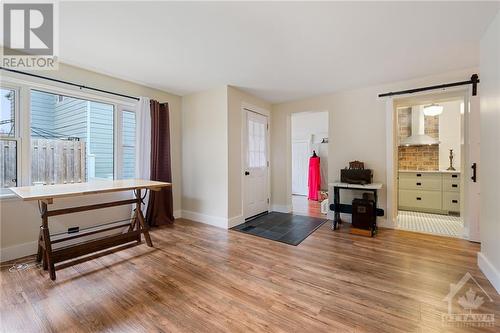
column 429, row 191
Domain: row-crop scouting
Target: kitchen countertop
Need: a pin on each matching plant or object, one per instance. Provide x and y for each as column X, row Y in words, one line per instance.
column 431, row 171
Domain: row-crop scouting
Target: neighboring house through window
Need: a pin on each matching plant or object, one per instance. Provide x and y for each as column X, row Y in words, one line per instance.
column 72, row 139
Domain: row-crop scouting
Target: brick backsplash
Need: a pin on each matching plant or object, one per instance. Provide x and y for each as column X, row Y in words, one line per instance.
column 418, row 157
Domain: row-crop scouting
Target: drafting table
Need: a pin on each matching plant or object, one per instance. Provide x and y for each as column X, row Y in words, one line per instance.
column 46, row 194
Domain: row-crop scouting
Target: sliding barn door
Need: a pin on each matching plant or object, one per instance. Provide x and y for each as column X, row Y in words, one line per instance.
column 472, row 156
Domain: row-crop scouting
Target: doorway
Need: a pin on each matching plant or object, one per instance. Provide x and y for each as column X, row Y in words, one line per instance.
column 255, row 155
column 309, row 137
column 431, row 157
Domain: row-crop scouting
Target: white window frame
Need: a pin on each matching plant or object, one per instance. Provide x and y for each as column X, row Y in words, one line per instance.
column 17, row 130
column 23, row 88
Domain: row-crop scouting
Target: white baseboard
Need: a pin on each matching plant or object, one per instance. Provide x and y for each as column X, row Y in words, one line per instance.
column 177, row 214
column 18, row 251
column 216, row 221
column 465, row 233
column 489, row 271
column 281, row 208
column 384, row 223
column 234, row 221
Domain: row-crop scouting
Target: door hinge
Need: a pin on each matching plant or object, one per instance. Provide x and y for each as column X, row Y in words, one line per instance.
column 268, row 164
column 267, row 126
column 267, row 200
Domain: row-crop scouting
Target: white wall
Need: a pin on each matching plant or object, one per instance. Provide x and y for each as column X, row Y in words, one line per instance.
column 357, row 131
column 212, row 169
column 205, row 157
column 305, row 124
column 449, row 134
column 489, row 257
column 20, row 221
column 313, row 127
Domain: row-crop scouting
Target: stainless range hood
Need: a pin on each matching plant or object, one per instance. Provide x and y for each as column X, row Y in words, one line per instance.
column 418, row 136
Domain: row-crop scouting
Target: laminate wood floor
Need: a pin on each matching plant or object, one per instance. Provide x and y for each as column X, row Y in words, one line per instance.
column 200, row 278
column 302, row 206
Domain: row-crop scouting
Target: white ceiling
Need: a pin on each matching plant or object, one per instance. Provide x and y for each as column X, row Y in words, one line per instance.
column 277, row 51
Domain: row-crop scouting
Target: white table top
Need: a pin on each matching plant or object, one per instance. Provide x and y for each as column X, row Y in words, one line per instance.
column 373, row 186
column 40, row 192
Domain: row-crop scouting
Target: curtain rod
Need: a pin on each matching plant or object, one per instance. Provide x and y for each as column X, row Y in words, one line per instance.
column 474, row 80
column 68, row 83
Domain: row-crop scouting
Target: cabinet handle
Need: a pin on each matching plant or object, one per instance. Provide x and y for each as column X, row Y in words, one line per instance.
column 418, row 184
column 454, row 185
column 454, row 201
column 419, row 198
column 454, row 176
column 419, row 175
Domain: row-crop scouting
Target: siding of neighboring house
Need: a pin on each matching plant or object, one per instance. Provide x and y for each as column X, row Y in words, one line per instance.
column 70, row 118
column 101, row 138
column 42, row 117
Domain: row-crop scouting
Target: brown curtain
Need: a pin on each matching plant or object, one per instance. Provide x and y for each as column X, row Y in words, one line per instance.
column 160, row 205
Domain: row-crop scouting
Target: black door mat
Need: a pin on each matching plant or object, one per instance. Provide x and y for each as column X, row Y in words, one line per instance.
column 286, row 228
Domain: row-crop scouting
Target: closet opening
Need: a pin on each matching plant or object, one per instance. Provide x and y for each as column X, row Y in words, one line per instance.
column 309, row 135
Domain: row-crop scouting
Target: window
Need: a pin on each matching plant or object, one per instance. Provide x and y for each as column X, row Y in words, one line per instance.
column 8, row 140
column 7, row 113
column 256, row 144
column 72, row 139
column 128, row 144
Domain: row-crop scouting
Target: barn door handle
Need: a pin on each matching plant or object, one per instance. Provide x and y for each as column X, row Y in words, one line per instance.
column 474, row 172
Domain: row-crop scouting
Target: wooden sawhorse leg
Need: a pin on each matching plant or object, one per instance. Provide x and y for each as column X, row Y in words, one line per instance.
column 40, row 253
column 140, row 221
column 45, row 246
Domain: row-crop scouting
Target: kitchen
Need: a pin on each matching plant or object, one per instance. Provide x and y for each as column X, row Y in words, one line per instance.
column 430, row 160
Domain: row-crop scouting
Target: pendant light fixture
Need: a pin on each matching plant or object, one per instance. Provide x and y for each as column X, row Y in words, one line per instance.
column 433, row 110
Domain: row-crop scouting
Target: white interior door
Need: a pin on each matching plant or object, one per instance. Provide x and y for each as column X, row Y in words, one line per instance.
column 472, row 187
column 300, row 157
column 256, row 193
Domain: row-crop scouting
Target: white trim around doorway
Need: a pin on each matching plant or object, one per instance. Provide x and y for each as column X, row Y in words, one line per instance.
column 392, row 156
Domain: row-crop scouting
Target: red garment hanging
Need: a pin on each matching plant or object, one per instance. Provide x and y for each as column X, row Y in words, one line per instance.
column 314, row 178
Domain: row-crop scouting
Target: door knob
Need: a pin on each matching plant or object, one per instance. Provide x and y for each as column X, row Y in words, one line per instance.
column 247, row 173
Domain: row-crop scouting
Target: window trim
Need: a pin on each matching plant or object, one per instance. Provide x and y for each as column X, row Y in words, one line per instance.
column 17, row 132
column 23, row 90
column 119, row 132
